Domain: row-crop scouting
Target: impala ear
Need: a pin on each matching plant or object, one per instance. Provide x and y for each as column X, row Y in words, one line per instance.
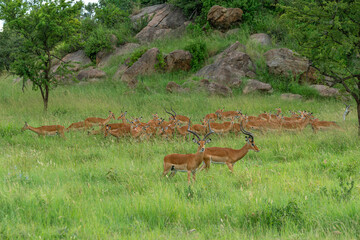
column 194, row 140
column 208, row 140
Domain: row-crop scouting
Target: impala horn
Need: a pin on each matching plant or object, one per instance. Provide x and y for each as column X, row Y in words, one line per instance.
column 193, row 132
column 173, row 111
column 246, row 133
column 169, row 113
column 211, row 131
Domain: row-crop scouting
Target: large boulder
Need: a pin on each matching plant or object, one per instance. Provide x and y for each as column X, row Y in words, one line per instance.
column 90, row 74
column 165, row 20
column 256, row 86
column 103, row 57
column 76, row 61
column 223, row 18
column 144, row 65
column 282, row 61
column 229, row 66
column 326, row 91
column 178, row 60
column 261, row 38
column 215, row 88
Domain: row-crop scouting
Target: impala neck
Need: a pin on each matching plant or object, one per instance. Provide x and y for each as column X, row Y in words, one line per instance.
column 37, row 130
column 107, row 120
column 242, row 152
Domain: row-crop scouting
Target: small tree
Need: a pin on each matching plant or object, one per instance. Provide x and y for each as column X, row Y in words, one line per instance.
column 42, row 25
column 328, row 34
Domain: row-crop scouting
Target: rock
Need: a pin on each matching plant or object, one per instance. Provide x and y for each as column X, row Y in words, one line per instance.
column 254, row 85
column 326, row 91
column 173, row 87
column 229, row 66
column 215, row 88
column 261, row 38
column 290, row 96
column 235, row 84
column 178, row 60
column 282, row 61
column 144, row 65
column 103, row 57
column 165, row 19
column 223, row 18
column 76, row 59
column 91, row 74
column 232, row 31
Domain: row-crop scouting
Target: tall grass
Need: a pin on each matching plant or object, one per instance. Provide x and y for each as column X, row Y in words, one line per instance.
column 297, row 186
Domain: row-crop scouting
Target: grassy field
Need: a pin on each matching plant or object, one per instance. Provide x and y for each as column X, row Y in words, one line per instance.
column 299, row 186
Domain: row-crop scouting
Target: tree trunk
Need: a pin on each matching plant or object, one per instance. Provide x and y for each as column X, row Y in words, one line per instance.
column 46, row 98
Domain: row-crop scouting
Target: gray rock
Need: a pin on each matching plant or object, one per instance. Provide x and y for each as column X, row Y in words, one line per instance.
column 173, row 87
column 282, row 61
column 91, row 74
column 165, row 19
column 326, row 91
column 77, row 60
column 261, row 38
column 229, row 66
column 178, row 60
column 256, row 86
column 215, row 88
column 144, row 65
column 103, row 57
column 290, row 96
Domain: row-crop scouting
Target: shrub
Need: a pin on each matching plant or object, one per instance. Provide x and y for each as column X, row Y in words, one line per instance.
column 161, row 62
column 198, row 52
column 136, row 55
column 97, row 41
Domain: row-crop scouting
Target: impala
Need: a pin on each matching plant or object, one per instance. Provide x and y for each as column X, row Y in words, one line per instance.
column 323, row 125
column 99, row 121
column 187, row 162
column 229, row 115
column 179, row 118
column 295, row 125
column 229, row 156
column 78, row 126
column 46, row 130
column 221, row 128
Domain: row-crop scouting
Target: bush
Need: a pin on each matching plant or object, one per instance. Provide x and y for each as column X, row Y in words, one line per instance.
column 97, row 41
column 136, row 55
column 198, row 52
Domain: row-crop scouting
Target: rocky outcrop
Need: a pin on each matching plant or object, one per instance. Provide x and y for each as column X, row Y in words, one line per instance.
column 173, row 87
column 282, row 61
column 223, row 18
column 103, row 57
column 326, row 91
column 256, row 86
column 90, row 74
column 261, row 38
column 178, row 60
column 76, row 61
column 144, row 65
column 229, row 66
column 290, row 96
column 215, row 88
column 165, row 20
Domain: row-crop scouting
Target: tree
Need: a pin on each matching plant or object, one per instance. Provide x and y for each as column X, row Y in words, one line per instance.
column 328, row 34
column 42, row 25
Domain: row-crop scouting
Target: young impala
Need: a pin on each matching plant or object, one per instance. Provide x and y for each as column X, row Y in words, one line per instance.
column 187, row 162
column 229, row 156
column 46, row 130
column 99, row 121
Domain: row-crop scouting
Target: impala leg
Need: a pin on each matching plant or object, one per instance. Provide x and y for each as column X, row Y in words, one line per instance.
column 194, row 175
column 189, row 175
column 230, row 166
column 172, row 174
column 167, row 168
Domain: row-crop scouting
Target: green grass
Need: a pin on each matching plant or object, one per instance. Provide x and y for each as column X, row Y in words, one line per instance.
column 296, row 187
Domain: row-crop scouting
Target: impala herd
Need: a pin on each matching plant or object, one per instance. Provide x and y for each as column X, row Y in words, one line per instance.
column 232, row 121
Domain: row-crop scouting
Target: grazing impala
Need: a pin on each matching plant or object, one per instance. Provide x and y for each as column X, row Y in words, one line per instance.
column 229, row 156
column 186, row 162
column 99, row 121
column 46, row 130
column 78, row 126
column 323, row 125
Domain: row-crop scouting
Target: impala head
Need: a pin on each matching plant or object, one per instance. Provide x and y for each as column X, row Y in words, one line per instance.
column 112, row 115
column 219, row 112
column 107, row 129
column 25, row 127
column 249, row 139
column 122, row 116
column 200, row 142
